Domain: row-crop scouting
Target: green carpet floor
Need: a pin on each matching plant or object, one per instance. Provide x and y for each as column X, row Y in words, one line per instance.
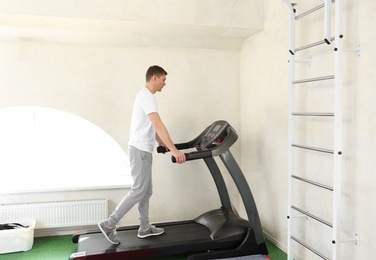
column 61, row 247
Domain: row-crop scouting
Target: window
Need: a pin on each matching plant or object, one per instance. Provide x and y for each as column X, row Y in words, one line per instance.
column 44, row 149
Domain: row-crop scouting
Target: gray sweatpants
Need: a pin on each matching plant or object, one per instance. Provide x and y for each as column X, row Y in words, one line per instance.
column 141, row 191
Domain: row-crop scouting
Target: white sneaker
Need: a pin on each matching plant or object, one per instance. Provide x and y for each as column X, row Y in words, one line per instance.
column 151, row 231
column 109, row 233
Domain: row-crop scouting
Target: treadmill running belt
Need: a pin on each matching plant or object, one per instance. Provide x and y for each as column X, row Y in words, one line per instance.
column 173, row 241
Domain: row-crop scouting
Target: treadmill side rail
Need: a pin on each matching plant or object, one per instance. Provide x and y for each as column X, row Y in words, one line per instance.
column 78, row 256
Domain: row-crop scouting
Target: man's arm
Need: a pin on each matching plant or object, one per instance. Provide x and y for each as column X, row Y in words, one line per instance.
column 163, row 137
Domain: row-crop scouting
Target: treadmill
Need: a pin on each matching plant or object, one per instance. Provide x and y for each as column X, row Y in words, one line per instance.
column 219, row 233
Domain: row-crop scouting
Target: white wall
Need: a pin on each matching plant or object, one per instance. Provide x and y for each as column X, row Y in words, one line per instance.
column 263, row 118
column 264, row 103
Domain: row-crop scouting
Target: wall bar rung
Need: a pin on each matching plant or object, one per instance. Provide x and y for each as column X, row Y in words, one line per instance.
column 313, row 148
column 309, row 11
column 313, row 44
column 311, row 114
column 312, row 216
column 309, row 248
column 313, row 79
column 313, row 182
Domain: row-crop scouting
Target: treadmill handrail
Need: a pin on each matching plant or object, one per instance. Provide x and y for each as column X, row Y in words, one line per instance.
column 195, row 155
column 188, row 156
column 182, row 146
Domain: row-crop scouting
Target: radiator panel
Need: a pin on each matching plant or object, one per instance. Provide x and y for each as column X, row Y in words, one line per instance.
column 57, row 214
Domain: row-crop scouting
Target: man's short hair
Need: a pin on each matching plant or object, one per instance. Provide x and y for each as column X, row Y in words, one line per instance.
column 155, row 70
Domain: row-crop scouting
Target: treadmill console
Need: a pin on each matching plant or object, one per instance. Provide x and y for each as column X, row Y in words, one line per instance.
column 214, row 136
column 213, row 141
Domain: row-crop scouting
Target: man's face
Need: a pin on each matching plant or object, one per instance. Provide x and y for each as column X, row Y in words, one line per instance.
column 160, row 82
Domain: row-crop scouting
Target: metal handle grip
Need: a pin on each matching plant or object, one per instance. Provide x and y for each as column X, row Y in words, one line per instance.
column 195, row 155
column 182, row 146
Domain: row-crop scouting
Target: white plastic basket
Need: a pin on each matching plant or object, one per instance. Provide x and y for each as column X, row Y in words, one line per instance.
column 14, row 240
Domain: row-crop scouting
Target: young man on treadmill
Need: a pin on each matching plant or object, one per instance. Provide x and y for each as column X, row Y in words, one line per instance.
column 146, row 128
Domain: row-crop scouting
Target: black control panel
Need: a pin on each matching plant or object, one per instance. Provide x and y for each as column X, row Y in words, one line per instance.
column 213, row 141
column 215, row 135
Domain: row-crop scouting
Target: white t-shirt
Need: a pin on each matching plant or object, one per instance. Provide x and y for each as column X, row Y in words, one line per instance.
column 142, row 131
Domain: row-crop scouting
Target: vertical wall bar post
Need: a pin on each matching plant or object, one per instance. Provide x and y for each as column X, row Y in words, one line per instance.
column 337, row 156
column 291, row 89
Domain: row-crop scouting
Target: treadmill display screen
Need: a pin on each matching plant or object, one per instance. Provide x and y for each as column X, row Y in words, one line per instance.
column 216, row 128
column 215, row 135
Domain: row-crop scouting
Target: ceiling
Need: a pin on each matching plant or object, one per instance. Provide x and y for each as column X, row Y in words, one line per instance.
column 222, row 24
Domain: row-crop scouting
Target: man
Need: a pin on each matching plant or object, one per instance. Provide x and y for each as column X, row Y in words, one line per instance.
column 146, row 128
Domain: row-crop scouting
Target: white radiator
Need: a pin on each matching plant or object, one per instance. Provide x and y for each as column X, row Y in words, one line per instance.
column 57, row 214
